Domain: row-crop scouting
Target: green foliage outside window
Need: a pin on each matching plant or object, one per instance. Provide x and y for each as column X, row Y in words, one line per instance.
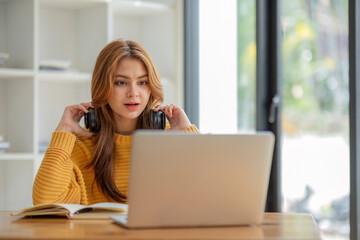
column 314, row 66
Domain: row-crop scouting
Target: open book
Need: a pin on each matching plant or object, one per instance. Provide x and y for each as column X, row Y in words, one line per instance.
column 75, row 211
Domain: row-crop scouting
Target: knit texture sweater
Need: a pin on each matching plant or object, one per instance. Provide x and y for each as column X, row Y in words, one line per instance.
column 64, row 178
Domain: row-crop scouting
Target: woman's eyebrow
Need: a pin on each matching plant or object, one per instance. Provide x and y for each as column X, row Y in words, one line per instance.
column 143, row 76
column 123, row 76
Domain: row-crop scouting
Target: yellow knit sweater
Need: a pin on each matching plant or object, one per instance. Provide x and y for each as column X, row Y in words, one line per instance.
column 64, row 178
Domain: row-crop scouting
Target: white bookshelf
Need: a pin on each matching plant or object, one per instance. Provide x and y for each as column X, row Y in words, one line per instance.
column 7, row 73
column 32, row 100
column 51, row 76
column 17, row 156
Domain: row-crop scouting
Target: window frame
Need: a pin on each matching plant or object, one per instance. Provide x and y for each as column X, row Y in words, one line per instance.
column 191, row 60
column 354, row 115
column 268, row 88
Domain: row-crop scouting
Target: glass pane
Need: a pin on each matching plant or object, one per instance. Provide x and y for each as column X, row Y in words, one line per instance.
column 247, row 65
column 315, row 147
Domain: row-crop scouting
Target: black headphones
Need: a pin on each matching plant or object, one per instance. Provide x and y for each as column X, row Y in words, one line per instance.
column 158, row 120
column 92, row 121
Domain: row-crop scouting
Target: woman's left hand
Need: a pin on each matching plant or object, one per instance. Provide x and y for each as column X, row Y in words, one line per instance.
column 176, row 116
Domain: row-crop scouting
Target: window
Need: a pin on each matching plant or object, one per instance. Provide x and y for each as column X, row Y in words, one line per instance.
column 218, row 66
column 246, row 65
column 314, row 83
column 315, row 116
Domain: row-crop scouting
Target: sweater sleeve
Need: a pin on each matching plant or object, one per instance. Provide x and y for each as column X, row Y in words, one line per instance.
column 58, row 179
column 192, row 128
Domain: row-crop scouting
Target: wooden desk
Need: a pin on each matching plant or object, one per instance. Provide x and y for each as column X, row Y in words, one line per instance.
column 275, row 226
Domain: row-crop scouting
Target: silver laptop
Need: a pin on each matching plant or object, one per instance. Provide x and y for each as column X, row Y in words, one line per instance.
column 180, row 179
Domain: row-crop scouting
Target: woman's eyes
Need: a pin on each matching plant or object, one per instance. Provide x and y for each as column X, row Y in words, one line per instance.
column 143, row 82
column 122, row 83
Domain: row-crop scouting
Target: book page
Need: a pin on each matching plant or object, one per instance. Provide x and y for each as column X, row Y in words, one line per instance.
column 97, row 214
column 48, row 209
column 110, row 206
column 72, row 208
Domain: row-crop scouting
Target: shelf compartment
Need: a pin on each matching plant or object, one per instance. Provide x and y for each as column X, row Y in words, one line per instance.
column 17, row 33
column 16, row 184
column 17, row 113
column 72, row 32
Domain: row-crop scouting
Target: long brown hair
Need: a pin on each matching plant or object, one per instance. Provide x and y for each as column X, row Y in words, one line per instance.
column 103, row 159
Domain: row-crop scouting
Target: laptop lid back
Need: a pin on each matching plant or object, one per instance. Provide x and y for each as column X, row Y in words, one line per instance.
column 182, row 179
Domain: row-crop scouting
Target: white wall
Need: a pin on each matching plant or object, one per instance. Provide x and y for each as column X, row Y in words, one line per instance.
column 218, row 66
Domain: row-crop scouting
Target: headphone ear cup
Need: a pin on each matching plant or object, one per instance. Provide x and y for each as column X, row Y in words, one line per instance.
column 163, row 120
column 86, row 120
column 92, row 122
column 157, row 120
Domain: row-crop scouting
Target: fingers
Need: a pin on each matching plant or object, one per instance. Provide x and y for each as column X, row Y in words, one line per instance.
column 157, row 108
column 175, row 115
column 82, row 110
column 82, row 107
column 70, row 120
column 87, row 105
column 167, row 109
column 72, row 116
column 75, row 109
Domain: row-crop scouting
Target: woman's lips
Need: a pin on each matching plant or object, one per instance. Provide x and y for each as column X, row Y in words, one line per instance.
column 132, row 106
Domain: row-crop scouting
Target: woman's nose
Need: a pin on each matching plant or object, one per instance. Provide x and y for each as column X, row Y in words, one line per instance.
column 133, row 92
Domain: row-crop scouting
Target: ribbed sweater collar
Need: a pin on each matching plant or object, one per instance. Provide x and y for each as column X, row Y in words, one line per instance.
column 122, row 139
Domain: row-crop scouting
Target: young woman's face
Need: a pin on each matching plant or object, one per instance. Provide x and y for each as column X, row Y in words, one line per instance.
column 131, row 90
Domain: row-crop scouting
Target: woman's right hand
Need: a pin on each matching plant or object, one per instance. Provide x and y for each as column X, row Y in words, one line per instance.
column 71, row 118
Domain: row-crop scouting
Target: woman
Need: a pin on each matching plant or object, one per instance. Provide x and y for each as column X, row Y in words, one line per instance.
column 82, row 167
